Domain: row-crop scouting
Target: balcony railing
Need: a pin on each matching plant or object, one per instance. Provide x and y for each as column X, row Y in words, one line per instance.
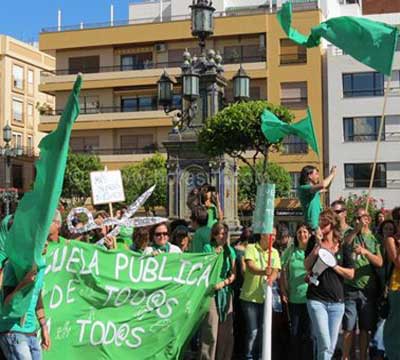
column 296, row 58
column 378, row 183
column 149, row 149
column 147, row 66
column 363, row 92
column 26, row 151
column 386, row 136
column 298, row 5
column 295, row 148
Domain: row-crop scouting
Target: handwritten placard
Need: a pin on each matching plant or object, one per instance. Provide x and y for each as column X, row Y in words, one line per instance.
column 263, row 216
column 107, row 187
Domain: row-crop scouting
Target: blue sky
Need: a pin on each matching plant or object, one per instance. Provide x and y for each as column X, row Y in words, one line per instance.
column 24, row 19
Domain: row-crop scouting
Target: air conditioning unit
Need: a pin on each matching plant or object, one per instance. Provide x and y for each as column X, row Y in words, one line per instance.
column 161, row 47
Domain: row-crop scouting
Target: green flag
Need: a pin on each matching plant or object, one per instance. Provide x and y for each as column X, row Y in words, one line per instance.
column 370, row 42
column 121, row 305
column 35, row 212
column 275, row 130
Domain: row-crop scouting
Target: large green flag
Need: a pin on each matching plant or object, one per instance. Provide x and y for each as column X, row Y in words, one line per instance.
column 370, row 42
column 35, row 212
column 275, row 130
column 121, row 305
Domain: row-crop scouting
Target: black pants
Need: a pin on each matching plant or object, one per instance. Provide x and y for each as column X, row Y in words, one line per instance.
column 300, row 333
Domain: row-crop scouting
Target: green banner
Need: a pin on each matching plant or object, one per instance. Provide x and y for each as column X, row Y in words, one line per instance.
column 118, row 305
column 263, row 216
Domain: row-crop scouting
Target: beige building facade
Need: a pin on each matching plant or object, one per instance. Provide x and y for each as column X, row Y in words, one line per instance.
column 20, row 105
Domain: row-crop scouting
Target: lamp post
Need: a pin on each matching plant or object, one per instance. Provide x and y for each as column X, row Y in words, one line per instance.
column 202, row 87
column 8, row 194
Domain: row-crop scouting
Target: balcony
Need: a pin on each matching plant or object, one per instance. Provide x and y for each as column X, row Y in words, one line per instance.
column 293, row 59
column 25, row 151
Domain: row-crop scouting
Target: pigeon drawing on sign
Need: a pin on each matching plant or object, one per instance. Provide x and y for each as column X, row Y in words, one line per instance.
column 126, row 220
column 107, row 187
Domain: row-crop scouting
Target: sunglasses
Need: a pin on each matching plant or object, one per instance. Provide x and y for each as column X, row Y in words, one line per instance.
column 339, row 211
column 159, row 234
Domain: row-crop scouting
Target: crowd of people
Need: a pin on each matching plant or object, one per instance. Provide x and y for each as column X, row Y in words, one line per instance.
column 358, row 298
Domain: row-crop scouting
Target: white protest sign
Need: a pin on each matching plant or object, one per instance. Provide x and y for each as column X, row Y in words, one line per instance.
column 107, row 187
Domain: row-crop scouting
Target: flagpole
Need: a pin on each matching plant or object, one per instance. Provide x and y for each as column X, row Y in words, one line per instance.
column 267, row 331
column 371, row 181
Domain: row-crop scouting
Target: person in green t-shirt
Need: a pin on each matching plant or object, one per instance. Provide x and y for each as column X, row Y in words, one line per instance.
column 202, row 234
column 309, row 193
column 294, row 293
column 361, row 292
column 252, row 296
column 216, row 334
column 210, row 199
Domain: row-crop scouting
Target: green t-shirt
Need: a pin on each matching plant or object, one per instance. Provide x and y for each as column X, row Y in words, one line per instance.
column 252, row 289
column 365, row 276
column 311, row 204
column 30, row 324
column 293, row 260
column 212, row 216
column 201, row 237
column 124, row 238
column 229, row 259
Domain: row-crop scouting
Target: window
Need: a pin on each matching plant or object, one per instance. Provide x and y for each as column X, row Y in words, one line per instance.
column 136, row 143
column 17, row 176
column 137, row 61
column 30, row 115
column 89, row 104
column 18, row 77
column 363, row 84
column 30, row 82
column 358, row 175
column 29, row 142
column 362, row 128
column 291, row 53
column 295, row 176
column 294, row 95
column 243, row 53
column 294, row 145
column 392, row 128
column 84, row 143
column 84, row 64
column 143, row 103
column 17, row 139
column 17, row 109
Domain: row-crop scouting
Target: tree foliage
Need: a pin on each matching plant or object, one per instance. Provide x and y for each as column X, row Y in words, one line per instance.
column 76, row 185
column 237, row 129
column 355, row 201
column 137, row 178
column 276, row 174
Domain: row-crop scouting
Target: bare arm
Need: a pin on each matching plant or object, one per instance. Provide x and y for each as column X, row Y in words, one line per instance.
column 310, row 259
column 254, row 269
column 283, row 285
column 43, row 325
column 393, row 251
column 346, row 273
column 10, row 292
column 324, row 184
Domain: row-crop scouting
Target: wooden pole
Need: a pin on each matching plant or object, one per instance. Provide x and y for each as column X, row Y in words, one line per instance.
column 378, row 143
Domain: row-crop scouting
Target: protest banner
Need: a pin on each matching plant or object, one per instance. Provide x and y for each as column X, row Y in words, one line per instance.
column 118, row 304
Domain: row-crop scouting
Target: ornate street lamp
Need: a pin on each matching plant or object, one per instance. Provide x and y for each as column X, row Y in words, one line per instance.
column 8, row 195
column 165, row 90
column 190, row 85
column 202, row 20
column 241, row 85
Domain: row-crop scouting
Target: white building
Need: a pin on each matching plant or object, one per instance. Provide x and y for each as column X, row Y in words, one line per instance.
column 354, row 103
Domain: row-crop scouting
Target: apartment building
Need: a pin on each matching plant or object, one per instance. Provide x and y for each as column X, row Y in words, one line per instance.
column 354, row 101
column 20, row 105
column 123, row 60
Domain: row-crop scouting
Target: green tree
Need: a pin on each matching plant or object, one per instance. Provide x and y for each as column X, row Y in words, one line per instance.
column 137, row 178
column 276, row 174
column 76, row 187
column 237, row 129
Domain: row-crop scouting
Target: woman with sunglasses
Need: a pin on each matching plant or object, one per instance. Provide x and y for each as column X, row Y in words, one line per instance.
column 392, row 324
column 159, row 235
column 325, row 302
